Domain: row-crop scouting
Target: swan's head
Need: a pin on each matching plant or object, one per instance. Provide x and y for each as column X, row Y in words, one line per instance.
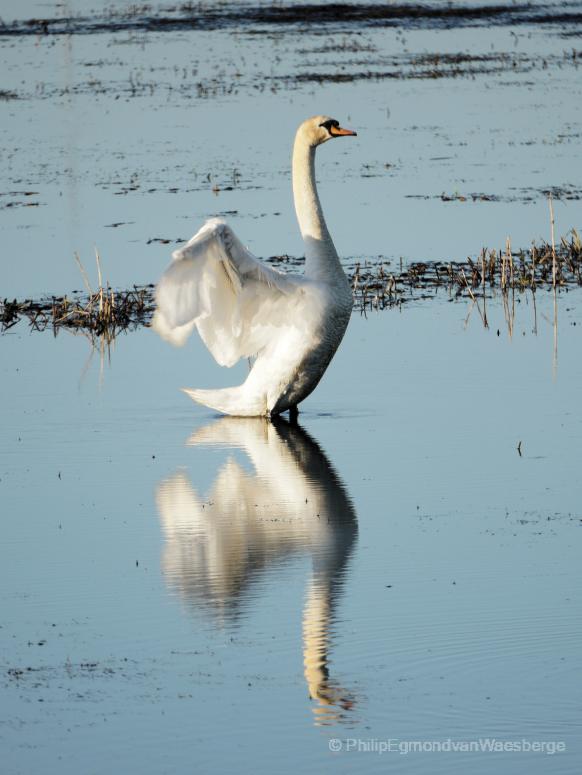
column 320, row 129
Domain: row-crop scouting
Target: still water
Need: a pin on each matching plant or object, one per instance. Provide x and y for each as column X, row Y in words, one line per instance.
column 186, row 593
column 182, row 592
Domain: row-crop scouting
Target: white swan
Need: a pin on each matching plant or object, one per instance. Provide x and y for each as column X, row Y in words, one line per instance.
column 290, row 324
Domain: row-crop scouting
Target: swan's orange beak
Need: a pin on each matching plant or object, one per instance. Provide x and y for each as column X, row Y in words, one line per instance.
column 337, row 131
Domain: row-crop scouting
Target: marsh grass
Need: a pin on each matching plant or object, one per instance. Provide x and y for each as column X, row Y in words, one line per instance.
column 104, row 313
column 502, row 272
column 99, row 314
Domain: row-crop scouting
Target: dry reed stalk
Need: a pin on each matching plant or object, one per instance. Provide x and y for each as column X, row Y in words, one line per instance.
column 83, row 274
column 553, row 240
column 483, row 283
column 100, row 281
column 533, row 268
column 506, row 283
column 554, row 279
column 512, row 283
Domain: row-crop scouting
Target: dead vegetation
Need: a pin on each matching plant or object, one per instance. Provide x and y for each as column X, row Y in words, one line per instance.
column 104, row 313
column 99, row 314
column 494, row 272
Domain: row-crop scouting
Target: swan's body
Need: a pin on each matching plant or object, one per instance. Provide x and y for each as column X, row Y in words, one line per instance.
column 290, row 324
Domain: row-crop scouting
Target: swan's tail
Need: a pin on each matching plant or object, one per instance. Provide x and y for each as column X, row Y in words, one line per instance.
column 234, row 401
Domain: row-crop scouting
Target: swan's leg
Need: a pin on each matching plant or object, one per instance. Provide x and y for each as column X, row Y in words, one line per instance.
column 293, row 413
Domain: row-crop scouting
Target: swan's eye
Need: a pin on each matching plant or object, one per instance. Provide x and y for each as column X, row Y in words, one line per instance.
column 329, row 124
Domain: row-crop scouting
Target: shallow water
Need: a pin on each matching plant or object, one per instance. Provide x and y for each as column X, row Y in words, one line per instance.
column 129, row 140
column 183, row 592
column 171, row 579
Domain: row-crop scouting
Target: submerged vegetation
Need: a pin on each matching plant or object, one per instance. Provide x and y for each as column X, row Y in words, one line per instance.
column 104, row 313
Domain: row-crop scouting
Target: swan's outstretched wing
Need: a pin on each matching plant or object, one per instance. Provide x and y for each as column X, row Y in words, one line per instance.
column 215, row 284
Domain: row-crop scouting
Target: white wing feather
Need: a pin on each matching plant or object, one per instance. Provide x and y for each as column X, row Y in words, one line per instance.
column 217, row 285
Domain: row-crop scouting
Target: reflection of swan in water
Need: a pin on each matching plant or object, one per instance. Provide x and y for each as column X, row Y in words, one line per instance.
column 293, row 502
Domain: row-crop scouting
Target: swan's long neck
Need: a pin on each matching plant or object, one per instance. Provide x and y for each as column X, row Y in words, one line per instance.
column 321, row 258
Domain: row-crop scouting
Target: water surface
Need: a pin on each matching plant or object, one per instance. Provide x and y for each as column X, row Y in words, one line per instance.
column 183, row 592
